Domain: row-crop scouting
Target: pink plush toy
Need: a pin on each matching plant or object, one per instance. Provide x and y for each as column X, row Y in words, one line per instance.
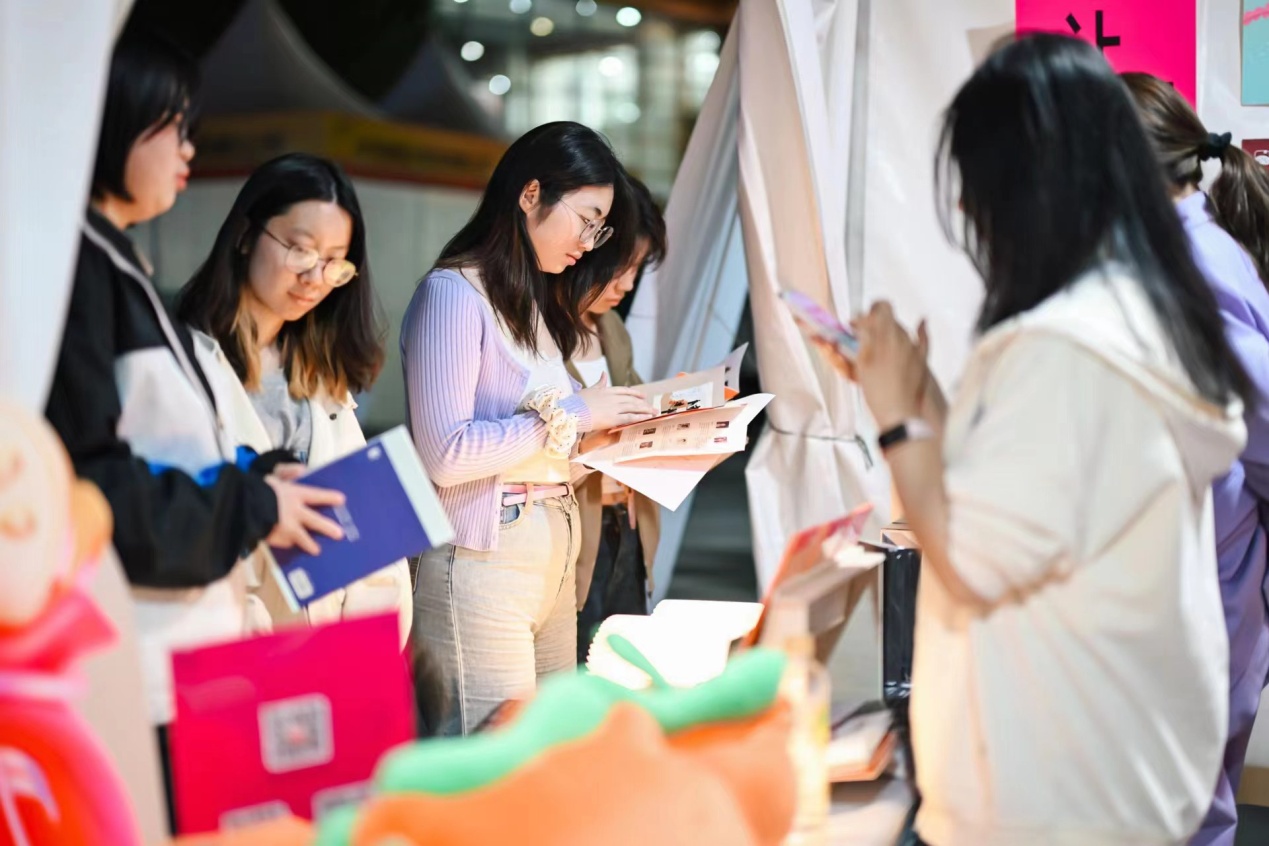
column 57, row 785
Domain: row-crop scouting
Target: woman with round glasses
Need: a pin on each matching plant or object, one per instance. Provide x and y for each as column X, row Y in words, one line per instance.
column 496, row 417
column 288, row 333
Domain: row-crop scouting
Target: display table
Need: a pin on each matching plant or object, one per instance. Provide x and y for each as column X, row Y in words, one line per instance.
column 870, row 813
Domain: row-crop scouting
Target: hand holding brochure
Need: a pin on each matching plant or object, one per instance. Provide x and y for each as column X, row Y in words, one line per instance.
column 702, row 422
column 391, row 512
column 689, row 393
column 664, row 458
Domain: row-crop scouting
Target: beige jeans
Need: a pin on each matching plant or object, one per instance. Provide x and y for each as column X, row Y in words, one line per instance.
column 499, row 621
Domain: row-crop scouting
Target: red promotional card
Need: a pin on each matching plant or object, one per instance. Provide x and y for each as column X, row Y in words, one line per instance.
column 1258, row 149
column 290, row 723
column 1159, row 37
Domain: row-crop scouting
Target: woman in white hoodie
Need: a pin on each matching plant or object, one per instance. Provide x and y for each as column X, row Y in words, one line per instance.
column 1070, row 676
column 287, row 333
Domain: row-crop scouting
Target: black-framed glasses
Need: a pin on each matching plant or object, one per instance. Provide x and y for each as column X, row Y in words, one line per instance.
column 592, row 230
column 335, row 272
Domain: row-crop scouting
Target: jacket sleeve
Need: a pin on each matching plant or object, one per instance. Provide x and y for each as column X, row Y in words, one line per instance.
column 441, row 350
column 1244, row 329
column 170, row 529
column 1050, row 417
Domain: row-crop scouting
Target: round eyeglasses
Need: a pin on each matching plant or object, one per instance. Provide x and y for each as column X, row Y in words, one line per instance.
column 592, row 230
column 299, row 260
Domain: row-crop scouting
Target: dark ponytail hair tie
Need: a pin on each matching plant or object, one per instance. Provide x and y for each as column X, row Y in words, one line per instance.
column 1215, row 146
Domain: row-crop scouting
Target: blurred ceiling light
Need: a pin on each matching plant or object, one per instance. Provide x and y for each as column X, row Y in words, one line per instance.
column 586, row 8
column 472, row 51
column 521, row 6
column 611, row 66
column 627, row 112
column 542, row 26
column 705, row 63
column 499, row 84
column 628, row 16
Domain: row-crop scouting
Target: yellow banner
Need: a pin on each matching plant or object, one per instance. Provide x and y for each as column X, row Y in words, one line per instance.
column 365, row 147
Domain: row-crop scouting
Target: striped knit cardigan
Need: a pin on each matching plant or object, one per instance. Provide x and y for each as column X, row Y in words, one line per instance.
column 463, row 388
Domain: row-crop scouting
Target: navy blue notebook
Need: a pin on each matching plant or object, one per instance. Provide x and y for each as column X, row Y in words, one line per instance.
column 391, row 512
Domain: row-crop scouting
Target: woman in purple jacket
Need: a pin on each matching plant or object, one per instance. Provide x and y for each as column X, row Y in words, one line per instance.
column 1228, row 229
column 496, row 418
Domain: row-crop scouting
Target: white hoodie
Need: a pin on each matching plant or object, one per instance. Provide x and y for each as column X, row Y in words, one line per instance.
column 1088, row 705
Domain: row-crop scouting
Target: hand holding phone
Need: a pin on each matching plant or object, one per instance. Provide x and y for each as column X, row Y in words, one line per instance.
column 821, row 327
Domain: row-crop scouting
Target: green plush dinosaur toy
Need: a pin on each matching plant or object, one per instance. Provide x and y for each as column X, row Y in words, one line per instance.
column 566, row 708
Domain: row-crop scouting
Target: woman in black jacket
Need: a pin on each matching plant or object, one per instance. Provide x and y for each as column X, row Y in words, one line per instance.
column 132, row 406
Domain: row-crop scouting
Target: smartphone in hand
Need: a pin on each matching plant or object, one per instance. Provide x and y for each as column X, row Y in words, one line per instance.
column 818, row 324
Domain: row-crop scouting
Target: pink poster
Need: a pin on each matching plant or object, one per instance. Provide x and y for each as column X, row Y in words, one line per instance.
column 1154, row 36
column 289, row 723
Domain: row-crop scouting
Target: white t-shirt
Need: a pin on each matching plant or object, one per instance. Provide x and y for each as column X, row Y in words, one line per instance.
column 591, row 371
column 543, row 373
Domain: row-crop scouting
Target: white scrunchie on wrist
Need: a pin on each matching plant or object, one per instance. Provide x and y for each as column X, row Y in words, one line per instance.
column 561, row 427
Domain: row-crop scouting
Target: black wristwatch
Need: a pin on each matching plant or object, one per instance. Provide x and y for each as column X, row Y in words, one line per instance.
column 912, row 429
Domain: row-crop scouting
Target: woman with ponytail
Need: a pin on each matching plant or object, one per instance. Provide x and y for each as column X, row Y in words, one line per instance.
column 1228, row 229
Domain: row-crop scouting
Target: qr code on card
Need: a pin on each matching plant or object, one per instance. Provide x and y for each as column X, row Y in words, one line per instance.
column 296, row 733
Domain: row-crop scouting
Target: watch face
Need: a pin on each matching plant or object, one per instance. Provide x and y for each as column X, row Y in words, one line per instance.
column 893, row 435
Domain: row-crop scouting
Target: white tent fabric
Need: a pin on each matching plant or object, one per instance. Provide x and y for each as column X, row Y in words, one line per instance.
column 795, row 119
column 675, row 307
column 919, row 54
column 790, row 203
column 53, row 60
column 52, row 53
column 685, row 314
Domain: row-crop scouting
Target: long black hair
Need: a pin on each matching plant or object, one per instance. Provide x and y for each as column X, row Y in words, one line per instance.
column 152, row 84
column 563, row 157
column 1044, row 152
column 338, row 346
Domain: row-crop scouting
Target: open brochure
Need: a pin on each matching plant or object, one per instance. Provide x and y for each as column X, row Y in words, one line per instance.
column 714, row 431
column 689, row 393
column 666, row 457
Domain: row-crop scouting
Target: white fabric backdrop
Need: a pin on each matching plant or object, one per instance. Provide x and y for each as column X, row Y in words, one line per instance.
column 53, row 56
column 796, row 86
column 685, row 314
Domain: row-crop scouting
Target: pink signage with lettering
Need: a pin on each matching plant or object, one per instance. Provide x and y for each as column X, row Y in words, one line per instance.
column 1155, row 36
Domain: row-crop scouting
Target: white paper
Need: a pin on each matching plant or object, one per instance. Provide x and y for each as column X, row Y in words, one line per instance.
column 667, row 482
column 731, row 367
column 688, row 641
